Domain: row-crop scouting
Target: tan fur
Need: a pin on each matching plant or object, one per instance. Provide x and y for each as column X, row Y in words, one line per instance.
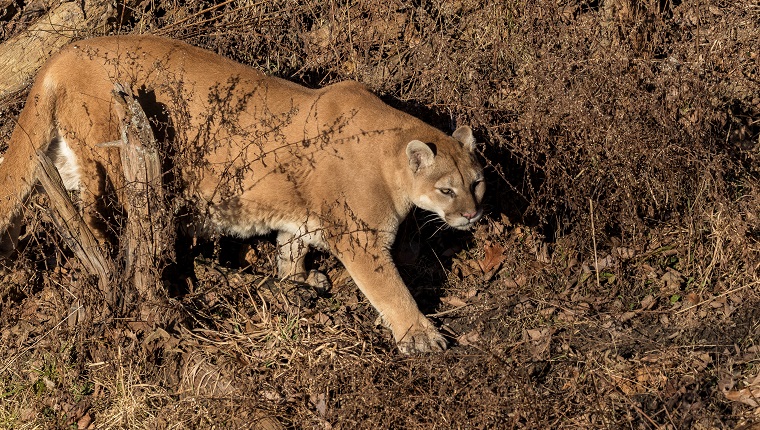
column 333, row 168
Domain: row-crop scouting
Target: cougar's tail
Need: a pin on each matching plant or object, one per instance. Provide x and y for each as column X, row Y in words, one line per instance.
column 34, row 131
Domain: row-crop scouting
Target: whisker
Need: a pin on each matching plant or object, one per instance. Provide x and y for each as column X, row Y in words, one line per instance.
column 428, row 219
column 440, row 227
column 427, row 222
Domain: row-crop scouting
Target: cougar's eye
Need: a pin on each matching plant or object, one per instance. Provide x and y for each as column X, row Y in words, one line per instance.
column 446, row 191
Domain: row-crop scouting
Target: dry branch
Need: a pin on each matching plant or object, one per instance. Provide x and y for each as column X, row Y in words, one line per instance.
column 71, row 226
column 22, row 55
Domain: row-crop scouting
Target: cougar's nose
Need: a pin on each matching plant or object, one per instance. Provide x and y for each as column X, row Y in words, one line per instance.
column 472, row 215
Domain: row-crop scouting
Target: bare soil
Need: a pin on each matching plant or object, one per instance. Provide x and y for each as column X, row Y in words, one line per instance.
column 613, row 284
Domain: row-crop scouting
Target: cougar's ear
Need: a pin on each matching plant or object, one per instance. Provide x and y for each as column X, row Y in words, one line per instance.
column 419, row 154
column 464, row 135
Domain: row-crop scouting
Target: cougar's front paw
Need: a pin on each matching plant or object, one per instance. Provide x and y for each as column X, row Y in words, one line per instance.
column 420, row 339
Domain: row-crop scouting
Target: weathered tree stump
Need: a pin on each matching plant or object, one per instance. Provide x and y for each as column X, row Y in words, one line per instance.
column 148, row 227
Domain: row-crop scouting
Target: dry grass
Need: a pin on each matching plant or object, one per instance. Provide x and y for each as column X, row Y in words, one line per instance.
column 614, row 285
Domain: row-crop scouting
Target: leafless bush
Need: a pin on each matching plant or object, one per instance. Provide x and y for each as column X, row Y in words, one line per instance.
column 638, row 106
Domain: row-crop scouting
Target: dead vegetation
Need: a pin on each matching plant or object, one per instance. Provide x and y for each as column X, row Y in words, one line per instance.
column 614, row 285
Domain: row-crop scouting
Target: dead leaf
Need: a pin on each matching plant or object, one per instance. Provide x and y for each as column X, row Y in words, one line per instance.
column 320, row 403
column 321, row 318
column 453, row 301
column 547, row 312
column 626, row 316
column 649, row 271
column 271, row 395
column 470, row 338
column 625, row 253
column 702, row 361
column 339, row 277
column 672, row 279
column 567, row 315
column 605, row 262
column 627, row 386
column 28, row 414
column 749, row 395
column 649, row 378
column 746, row 396
column 158, row 334
column 84, row 422
column 647, row 302
column 510, row 283
column 492, row 260
column 693, row 299
column 539, row 341
column 466, row 268
column 535, row 333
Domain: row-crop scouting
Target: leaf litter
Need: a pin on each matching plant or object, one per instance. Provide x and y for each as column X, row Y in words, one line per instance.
column 652, row 324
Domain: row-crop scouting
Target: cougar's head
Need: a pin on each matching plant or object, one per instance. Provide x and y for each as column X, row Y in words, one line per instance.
column 448, row 180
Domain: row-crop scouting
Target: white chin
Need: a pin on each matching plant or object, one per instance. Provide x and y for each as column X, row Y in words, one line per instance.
column 461, row 225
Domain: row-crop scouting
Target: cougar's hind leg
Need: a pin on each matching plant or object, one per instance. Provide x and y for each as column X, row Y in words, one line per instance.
column 94, row 174
column 291, row 262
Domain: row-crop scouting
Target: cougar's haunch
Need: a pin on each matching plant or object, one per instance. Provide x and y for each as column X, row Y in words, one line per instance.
column 333, row 168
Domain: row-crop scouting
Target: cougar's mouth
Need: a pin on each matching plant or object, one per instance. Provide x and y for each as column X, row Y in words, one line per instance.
column 461, row 222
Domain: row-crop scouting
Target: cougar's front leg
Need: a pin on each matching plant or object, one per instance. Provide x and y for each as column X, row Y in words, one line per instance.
column 291, row 259
column 377, row 277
